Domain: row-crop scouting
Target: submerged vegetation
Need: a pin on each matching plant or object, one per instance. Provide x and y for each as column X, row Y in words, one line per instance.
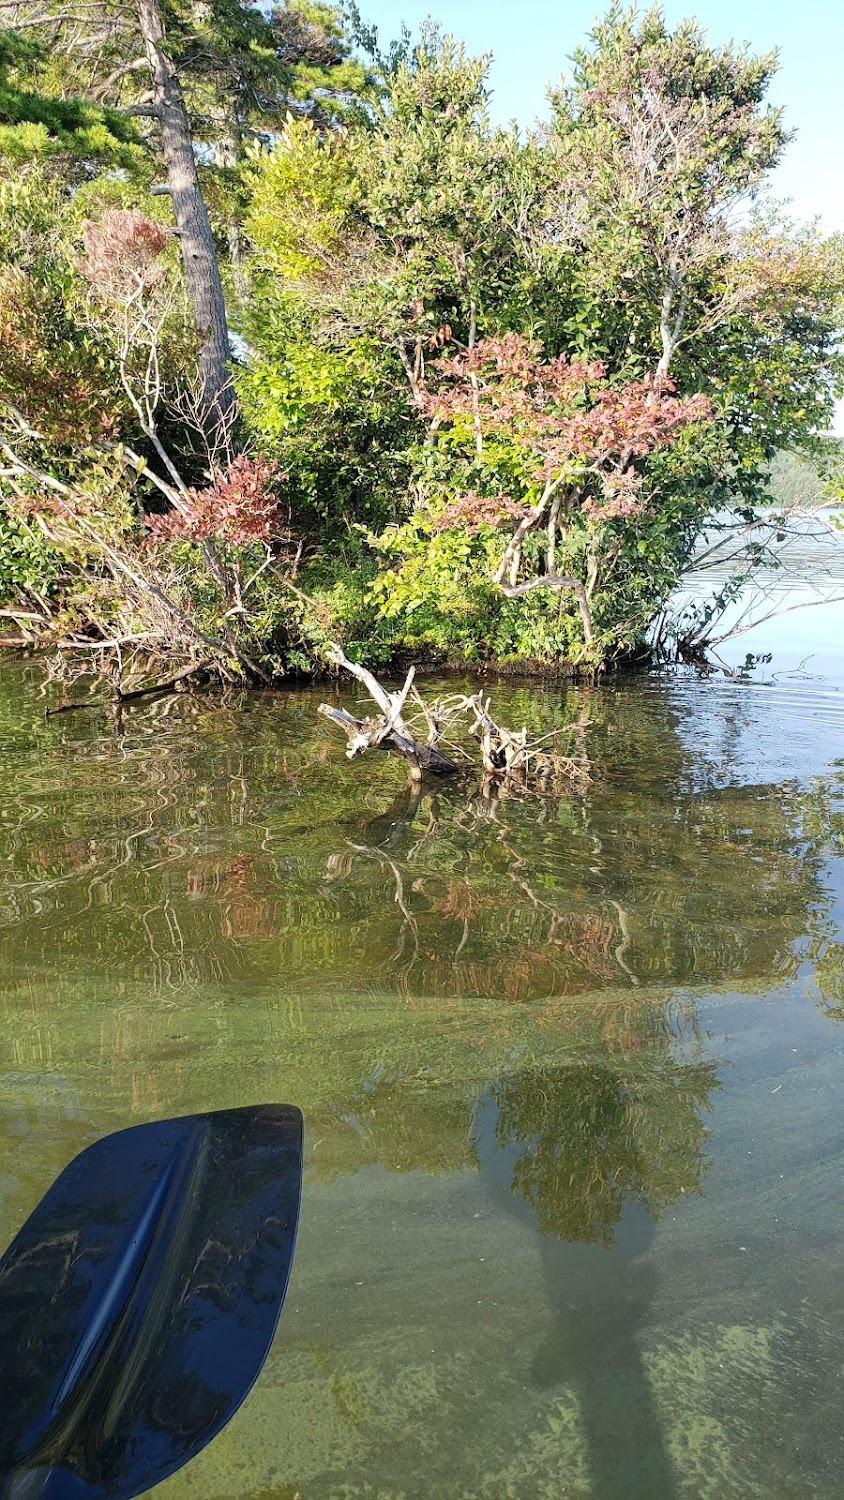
column 296, row 347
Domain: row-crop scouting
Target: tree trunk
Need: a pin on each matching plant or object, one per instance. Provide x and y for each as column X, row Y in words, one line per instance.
column 202, row 271
column 229, row 148
column 557, row 581
column 671, row 314
column 476, row 401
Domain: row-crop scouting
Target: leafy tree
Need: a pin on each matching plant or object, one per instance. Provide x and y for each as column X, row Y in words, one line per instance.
column 618, row 235
column 244, row 71
column 656, row 141
column 438, row 201
column 78, row 135
column 318, row 392
column 597, row 337
column 402, row 230
column 105, row 31
column 576, row 447
column 374, row 249
column 551, row 451
column 192, row 71
column 98, row 393
column 55, row 372
column 657, row 155
column 82, row 469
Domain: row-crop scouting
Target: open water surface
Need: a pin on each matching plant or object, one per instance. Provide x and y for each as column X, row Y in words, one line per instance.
column 571, row 1065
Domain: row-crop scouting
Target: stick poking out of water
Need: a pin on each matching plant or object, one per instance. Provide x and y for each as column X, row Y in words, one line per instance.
column 505, row 753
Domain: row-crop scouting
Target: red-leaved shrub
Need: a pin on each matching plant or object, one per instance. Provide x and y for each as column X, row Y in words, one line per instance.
column 240, row 505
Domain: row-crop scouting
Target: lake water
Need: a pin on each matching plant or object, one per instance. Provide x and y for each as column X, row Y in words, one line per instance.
column 571, row 1065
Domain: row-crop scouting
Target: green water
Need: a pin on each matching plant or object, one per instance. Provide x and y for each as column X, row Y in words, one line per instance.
column 572, row 1070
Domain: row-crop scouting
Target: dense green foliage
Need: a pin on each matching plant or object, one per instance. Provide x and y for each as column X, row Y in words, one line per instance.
column 76, row 130
column 377, row 234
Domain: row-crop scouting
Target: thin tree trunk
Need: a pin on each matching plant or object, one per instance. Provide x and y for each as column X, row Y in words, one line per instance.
column 514, row 546
column 202, row 271
column 476, row 404
column 557, row 581
column 671, row 315
column 229, row 150
column 412, row 369
column 553, row 523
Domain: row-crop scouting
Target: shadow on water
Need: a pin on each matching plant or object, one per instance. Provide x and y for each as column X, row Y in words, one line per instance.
column 594, row 1224
column 586, row 1155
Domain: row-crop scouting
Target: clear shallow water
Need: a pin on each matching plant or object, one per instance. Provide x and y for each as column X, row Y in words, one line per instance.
column 572, row 1071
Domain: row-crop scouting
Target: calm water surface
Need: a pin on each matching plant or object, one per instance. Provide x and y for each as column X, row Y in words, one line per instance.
column 572, row 1070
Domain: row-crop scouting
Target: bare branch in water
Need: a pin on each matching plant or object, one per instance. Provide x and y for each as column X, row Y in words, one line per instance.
column 506, row 754
column 390, row 728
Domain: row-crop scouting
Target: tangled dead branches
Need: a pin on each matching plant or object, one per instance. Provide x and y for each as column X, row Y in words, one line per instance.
column 506, row 754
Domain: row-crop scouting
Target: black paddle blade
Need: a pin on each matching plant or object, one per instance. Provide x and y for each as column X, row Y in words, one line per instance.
column 139, row 1301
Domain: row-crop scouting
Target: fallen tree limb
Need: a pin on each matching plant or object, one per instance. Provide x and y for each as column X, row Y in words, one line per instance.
column 70, row 708
column 390, row 730
column 129, row 695
column 23, row 614
column 505, row 753
column 165, row 686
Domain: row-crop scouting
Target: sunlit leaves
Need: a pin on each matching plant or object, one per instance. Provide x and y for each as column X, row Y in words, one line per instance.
column 566, row 422
column 240, row 505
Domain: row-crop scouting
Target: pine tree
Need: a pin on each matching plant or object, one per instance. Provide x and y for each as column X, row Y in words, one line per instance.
column 194, row 82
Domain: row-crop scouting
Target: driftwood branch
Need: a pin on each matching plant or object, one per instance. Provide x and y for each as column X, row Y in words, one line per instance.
column 505, row 753
column 508, row 753
column 389, row 730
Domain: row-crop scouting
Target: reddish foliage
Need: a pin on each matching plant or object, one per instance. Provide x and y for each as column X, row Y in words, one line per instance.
column 46, row 503
column 240, row 505
column 472, row 511
column 47, row 374
column 122, row 248
column 621, row 495
column 563, row 418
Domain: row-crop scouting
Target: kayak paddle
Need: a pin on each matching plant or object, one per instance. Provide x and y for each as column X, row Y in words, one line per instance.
column 139, row 1301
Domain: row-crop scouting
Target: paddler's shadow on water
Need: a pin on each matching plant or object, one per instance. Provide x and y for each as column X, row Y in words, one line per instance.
column 597, row 1299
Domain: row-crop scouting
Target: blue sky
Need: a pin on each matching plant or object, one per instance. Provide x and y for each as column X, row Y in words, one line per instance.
column 531, row 41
